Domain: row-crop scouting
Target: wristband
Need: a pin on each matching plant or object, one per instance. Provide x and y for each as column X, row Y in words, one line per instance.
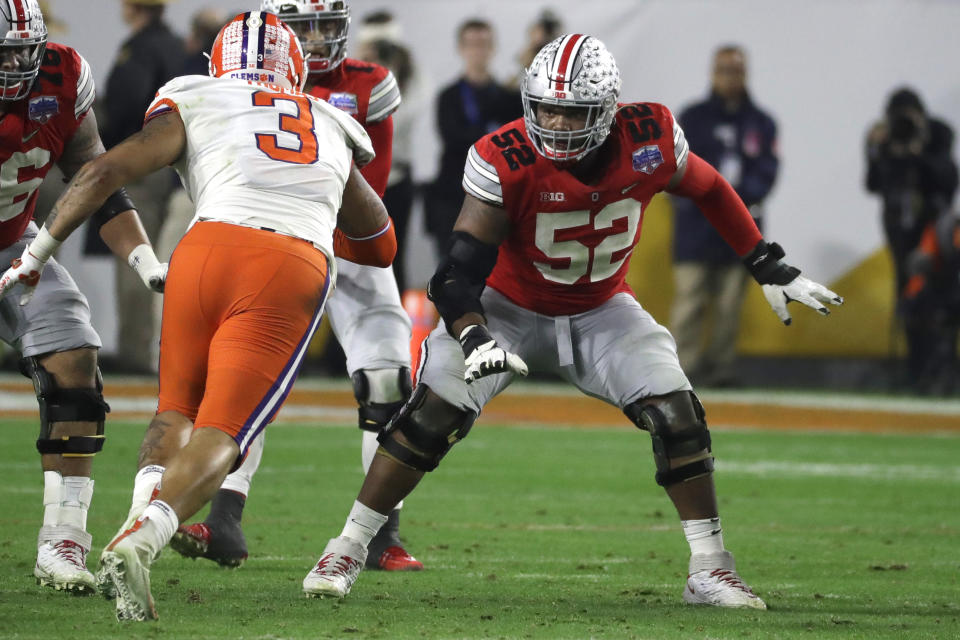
column 142, row 258
column 43, row 245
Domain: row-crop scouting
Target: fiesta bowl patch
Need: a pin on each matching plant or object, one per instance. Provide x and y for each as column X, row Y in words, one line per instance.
column 42, row 108
column 344, row 101
column 647, row 159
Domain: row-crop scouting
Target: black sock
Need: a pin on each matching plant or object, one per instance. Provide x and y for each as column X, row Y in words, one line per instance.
column 227, row 505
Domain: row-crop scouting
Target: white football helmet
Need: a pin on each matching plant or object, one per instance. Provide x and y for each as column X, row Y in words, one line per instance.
column 321, row 25
column 22, row 47
column 573, row 72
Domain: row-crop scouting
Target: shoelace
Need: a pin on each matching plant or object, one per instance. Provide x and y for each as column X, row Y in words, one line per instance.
column 732, row 579
column 342, row 566
column 71, row 552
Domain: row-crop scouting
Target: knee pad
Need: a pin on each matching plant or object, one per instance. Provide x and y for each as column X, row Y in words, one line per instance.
column 66, row 405
column 678, row 428
column 380, row 393
column 430, row 425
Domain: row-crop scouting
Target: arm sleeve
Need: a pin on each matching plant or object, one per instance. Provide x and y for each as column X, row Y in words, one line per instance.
column 481, row 180
column 86, row 90
column 377, row 170
column 377, row 250
column 719, row 203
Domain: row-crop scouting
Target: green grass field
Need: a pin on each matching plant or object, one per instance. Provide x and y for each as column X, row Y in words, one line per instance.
column 537, row 533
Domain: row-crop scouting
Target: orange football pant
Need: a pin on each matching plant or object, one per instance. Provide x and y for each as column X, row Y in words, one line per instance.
column 239, row 309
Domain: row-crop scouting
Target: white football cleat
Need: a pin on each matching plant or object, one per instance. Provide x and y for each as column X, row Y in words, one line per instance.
column 125, row 574
column 713, row 580
column 62, row 561
column 337, row 569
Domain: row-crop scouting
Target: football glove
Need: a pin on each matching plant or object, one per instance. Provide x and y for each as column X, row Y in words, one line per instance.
column 152, row 272
column 483, row 357
column 26, row 269
column 782, row 283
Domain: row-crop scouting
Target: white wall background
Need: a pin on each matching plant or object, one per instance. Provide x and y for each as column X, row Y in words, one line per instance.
column 823, row 67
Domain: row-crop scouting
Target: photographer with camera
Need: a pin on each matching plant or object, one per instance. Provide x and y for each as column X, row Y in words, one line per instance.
column 910, row 165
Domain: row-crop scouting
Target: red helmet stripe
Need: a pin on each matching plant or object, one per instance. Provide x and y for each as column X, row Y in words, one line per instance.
column 563, row 72
column 18, row 11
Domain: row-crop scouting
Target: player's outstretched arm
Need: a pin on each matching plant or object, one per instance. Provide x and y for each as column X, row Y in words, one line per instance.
column 721, row 205
column 456, row 287
column 364, row 233
column 159, row 143
column 117, row 219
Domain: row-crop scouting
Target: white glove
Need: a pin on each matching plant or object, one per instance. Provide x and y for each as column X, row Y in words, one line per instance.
column 782, row 283
column 26, row 269
column 483, row 357
column 151, row 271
column 802, row 290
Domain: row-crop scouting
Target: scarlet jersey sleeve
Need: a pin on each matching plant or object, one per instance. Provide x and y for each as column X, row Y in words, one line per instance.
column 481, row 178
column 384, row 97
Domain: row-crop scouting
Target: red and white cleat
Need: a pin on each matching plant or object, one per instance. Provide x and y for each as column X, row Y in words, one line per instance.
column 62, row 564
column 713, row 580
column 337, row 569
column 397, row 559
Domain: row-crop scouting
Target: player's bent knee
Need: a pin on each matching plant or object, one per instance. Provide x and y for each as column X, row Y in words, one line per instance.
column 430, row 427
column 380, row 394
column 59, row 404
column 678, row 428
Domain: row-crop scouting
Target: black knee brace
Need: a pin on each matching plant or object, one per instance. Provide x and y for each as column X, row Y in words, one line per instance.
column 66, row 405
column 677, row 426
column 374, row 416
column 430, row 425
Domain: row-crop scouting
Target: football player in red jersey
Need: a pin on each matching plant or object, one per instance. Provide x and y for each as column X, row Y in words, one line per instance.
column 534, row 276
column 46, row 91
column 364, row 310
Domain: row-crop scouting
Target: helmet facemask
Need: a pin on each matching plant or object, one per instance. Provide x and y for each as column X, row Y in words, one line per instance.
column 576, row 77
column 322, row 28
column 21, row 50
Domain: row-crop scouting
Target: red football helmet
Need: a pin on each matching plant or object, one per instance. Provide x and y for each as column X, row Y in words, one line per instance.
column 258, row 46
column 24, row 39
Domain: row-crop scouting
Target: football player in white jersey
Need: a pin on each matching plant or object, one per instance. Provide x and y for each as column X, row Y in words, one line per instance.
column 365, row 311
column 269, row 168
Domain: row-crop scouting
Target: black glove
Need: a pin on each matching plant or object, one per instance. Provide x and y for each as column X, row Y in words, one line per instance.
column 765, row 266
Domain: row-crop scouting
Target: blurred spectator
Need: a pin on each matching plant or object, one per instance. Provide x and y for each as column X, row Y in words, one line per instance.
column 379, row 41
column 204, row 27
column 545, row 28
column 910, row 165
column 739, row 139
column 932, row 292
column 467, row 110
column 151, row 55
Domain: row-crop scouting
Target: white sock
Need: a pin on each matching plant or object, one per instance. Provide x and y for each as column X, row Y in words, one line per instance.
column 704, row 536
column 146, row 480
column 240, row 479
column 75, row 501
column 362, row 523
column 159, row 524
column 52, row 497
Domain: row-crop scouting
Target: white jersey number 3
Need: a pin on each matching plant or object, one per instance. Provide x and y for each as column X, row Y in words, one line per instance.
column 601, row 264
